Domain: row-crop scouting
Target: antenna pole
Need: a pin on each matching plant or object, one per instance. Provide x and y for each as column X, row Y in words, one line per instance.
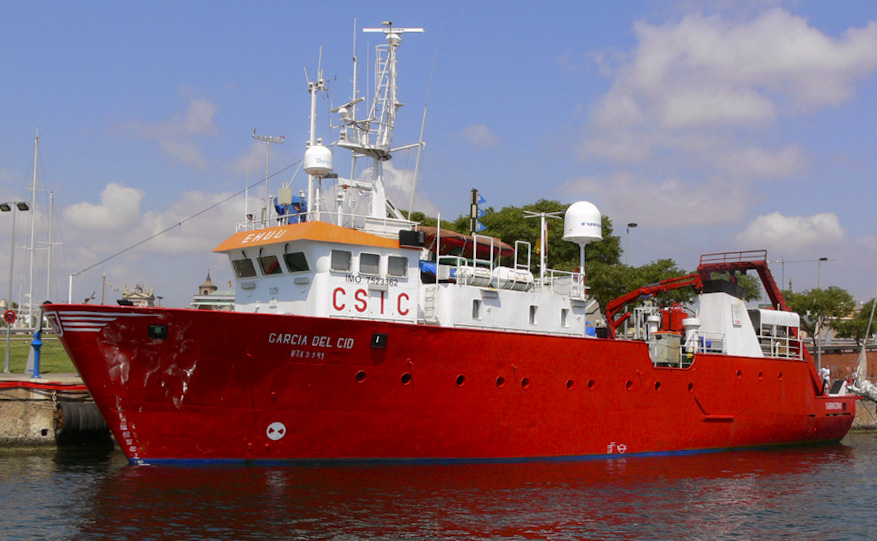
column 313, row 212
column 33, row 212
column 268, row 140
column 49, row 253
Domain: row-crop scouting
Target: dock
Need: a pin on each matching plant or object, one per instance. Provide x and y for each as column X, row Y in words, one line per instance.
column 48, row 412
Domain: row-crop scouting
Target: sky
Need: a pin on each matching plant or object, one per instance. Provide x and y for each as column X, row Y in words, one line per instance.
column 714, row 126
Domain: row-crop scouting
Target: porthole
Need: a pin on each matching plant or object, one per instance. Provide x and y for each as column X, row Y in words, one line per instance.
column 657, row 385
column 570, row 384
column 406, row 378
column 739, row 374
column 461, row 379
column 760, row 375
column 690, row 387
column 628, row 385
column 591, row 384
column 360, row 376
column 780, row 376
column 525, row 383
column 500, row 381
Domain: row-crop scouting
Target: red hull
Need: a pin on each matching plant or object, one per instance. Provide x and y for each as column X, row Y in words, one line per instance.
column 220, row 382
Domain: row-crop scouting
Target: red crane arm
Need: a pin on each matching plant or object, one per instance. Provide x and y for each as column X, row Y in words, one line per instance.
column 614, row 319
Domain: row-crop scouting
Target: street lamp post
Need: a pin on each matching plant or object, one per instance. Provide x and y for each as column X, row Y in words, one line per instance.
column 819, row 272
column 10, row 207
column 627, row 243
column 819, row 328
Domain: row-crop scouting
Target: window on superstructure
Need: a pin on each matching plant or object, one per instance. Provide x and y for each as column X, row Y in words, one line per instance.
column 296, row 262
column 533, row 315
column 476, row 308
column 270, row 265
column 244, row 268
column 397, row 266
column 369, row 264
column 340, row 260
column 564, row 317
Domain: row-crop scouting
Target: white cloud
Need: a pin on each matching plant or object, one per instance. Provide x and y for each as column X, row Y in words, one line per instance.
column 119, row 209
column 740, row 72
column 398, row 184
column 696, row 102
column 793, row 234
column 180, row 137
column 704, row 73
column 481, row 136
column 668, row 203
column 253, row 161
column 754, row 162
column 168, row 249
column 868, row 242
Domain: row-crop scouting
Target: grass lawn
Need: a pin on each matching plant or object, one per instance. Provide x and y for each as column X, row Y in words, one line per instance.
column 53, row 358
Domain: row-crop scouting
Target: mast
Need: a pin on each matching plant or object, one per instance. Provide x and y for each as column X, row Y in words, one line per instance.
column 268, row 139
column 33, row 213
column 314, row 183
column 382, row 113
column 49, row 248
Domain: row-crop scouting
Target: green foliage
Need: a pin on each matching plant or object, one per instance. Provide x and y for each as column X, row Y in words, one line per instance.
column 751, row 287
column 605, row 274
column 750, row 284
column 609, row 282
column 819, row 307
column 510, row 224
column 856, row 327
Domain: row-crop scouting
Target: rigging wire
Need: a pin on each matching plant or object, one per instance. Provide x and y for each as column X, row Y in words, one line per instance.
column 423, row 125
column 181, row 222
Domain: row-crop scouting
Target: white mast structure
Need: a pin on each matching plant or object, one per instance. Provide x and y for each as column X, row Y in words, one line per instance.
column 33, row 213
column 49, row 248
column 382, row 114
column 318, row 159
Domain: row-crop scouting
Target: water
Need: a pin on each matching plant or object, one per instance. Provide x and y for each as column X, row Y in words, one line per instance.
column 823, row 492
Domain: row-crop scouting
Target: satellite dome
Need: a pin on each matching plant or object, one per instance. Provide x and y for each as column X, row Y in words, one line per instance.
column 318, row 161
column 582, row 223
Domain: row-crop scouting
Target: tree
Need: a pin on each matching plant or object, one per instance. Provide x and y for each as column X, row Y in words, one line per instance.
column 856, row 327
column 510, row 224
column 607, row 282
column 605, row 275
column 750, row 285
column 820, row 307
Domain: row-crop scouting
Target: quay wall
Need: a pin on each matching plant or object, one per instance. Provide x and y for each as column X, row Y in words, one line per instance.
column 26, row 419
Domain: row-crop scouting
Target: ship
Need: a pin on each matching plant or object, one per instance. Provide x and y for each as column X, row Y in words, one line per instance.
column 360, row 335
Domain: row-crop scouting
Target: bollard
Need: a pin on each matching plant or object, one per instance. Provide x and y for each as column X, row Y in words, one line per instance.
column 36, row 344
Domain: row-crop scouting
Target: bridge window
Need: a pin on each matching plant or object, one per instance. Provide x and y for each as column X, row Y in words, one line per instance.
column 244, row 268
column 397, row 266
column 340, row 260
column 296, row 262
column 270, row 265
column 369, row 264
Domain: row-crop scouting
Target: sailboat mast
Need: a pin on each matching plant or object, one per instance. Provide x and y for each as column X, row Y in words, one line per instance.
column 49, row 252
column 33, row 213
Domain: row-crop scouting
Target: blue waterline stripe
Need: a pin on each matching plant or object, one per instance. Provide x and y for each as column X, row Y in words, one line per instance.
column 342, row 462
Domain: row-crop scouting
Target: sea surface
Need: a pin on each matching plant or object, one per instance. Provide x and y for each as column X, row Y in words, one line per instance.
column 821, row 492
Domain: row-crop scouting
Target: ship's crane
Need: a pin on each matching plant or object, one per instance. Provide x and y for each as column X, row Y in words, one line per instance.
column 615, row 318
column 733, row 263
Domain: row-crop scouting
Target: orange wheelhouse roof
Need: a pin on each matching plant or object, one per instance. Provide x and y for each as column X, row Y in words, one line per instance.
column 315, row 231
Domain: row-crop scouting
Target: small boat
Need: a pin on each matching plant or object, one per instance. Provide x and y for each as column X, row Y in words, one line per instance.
column 357, row 334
